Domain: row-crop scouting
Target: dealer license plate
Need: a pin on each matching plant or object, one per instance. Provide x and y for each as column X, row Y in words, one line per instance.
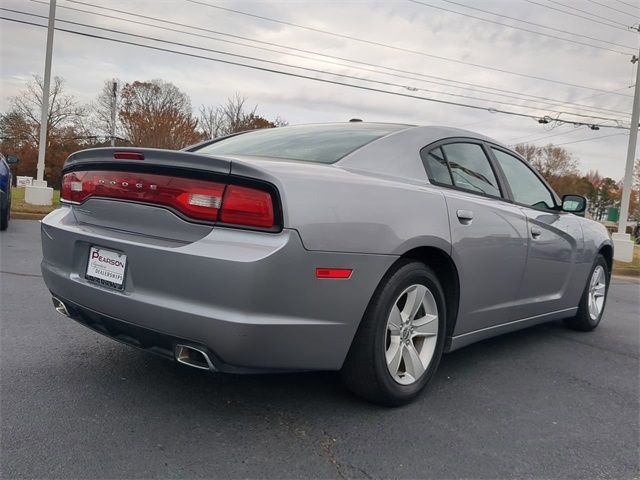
column 106, row 267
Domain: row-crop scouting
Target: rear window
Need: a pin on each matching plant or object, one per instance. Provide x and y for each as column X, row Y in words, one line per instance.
column 311, row 143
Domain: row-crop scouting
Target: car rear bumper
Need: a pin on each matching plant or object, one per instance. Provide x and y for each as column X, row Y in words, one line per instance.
column 249, row 298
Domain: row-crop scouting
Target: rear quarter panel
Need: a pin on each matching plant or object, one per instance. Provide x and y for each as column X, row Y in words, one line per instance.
column 338, row 210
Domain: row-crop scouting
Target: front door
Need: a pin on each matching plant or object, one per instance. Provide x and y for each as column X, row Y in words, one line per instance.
column 488, row 234
column 555, row 242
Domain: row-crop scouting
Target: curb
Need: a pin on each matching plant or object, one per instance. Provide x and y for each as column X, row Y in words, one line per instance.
column 27, row 216
column 626, row 278
column 626, row 272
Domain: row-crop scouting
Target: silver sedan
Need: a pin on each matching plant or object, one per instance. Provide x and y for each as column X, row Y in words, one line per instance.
column 367, row 248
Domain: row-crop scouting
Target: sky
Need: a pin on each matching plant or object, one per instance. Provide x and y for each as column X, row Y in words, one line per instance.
column 447, row 56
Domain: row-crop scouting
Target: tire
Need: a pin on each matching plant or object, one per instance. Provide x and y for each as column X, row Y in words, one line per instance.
column 366, row 371
column 586, row 319
column 5, row 211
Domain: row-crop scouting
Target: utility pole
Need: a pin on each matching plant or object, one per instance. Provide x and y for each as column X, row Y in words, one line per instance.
column 114, row 106
column 39, row 193
column 622, row 242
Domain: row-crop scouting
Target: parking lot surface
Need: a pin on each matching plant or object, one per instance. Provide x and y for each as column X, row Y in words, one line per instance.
column 543, row 402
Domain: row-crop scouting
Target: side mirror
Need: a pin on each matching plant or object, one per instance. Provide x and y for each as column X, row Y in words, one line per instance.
column 574, row 204
column 12, row 159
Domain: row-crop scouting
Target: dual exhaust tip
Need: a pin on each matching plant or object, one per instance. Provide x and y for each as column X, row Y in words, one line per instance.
column 193, row 357
column 184, row 354
column 60, row 307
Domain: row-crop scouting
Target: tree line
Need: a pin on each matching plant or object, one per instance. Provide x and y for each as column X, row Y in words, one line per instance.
column 561, row 170
column 157, row 114
column 151, row 113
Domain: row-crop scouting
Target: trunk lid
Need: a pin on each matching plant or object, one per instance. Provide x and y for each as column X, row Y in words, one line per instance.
column 136, row 215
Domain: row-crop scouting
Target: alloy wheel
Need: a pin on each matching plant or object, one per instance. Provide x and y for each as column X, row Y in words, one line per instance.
column 597, row 291
column 412, row 333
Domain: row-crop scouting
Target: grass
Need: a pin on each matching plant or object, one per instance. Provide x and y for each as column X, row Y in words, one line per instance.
column 18, row 205
column 631, row 268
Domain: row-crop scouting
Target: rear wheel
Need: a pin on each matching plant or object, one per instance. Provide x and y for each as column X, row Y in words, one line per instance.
column 399, row 343
column 5, row 211
column 593, row 299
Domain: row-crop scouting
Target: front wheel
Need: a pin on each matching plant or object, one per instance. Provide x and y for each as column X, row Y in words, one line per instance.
column 593, row 299
column 400, row 340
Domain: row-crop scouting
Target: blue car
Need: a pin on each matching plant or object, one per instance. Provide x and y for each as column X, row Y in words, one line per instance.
column 5, row 189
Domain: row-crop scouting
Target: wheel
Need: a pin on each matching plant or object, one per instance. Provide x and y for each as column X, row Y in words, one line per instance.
column 593, row 299
column 5, row 211
column 398, row 345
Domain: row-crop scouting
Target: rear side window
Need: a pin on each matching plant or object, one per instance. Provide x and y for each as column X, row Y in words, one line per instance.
column 470, row 168
column 437, row 166
column 526, row 187
column 312, row 143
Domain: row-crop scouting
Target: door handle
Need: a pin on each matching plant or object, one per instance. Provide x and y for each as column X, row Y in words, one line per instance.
column 465, row 216
column 535, row 232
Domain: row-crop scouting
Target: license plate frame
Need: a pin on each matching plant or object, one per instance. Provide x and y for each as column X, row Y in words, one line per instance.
column 106, row 267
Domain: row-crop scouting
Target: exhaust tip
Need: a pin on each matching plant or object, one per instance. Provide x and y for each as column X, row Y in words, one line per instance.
column 193, row 357
column 60, row 307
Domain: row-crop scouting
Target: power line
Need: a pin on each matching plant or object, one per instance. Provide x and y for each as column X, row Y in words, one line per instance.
column 536, row 24
column 392, row 47
column 305, row 77
column 555, row 37
column 611, row 8
column 511, row 142
column 526, row 138
column 590, row 139
column 307, row 69
column 622, row 26
column 587, row 12
column 582, row 99
column 628, row 4
column 520, row 96
column 586, row 98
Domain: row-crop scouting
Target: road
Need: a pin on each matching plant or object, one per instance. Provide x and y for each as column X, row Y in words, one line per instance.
column 543, row 402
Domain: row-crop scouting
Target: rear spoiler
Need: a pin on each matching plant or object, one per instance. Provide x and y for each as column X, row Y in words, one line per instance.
column 106, row 158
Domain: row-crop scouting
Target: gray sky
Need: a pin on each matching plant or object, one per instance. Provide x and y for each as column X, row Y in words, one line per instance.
column 86, row 62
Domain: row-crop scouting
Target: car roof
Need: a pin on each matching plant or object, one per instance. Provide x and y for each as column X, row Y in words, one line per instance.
column 398, row 153
column 432, row 133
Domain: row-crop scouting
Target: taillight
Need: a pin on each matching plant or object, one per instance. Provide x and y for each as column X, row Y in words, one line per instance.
column 197, row 199
column 247, row 206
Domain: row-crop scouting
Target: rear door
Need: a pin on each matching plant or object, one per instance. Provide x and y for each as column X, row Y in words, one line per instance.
column 555, row 240
column 489, row 234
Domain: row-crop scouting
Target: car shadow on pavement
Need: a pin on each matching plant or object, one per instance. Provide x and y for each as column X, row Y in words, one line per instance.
column 139, row 371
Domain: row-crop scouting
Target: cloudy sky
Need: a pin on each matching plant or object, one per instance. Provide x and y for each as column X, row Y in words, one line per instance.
column 582, row 69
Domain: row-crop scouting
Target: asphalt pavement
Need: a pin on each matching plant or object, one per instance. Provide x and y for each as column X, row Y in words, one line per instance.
column 543, row 402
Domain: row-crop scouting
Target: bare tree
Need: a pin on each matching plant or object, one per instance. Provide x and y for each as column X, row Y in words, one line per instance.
column 550, row 161
column 529, row 152
column 103, row 108
column 212, row 121
column 64, row 109
column 157, row 114
column 235, row 113
column 20, row 128
column 556, row 161
column 232, row 117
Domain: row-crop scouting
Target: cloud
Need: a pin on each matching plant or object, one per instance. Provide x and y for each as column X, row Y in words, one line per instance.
column 85, row 63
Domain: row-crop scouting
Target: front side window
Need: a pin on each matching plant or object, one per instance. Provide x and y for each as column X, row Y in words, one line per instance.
column 526, row 187
column 470, row 168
